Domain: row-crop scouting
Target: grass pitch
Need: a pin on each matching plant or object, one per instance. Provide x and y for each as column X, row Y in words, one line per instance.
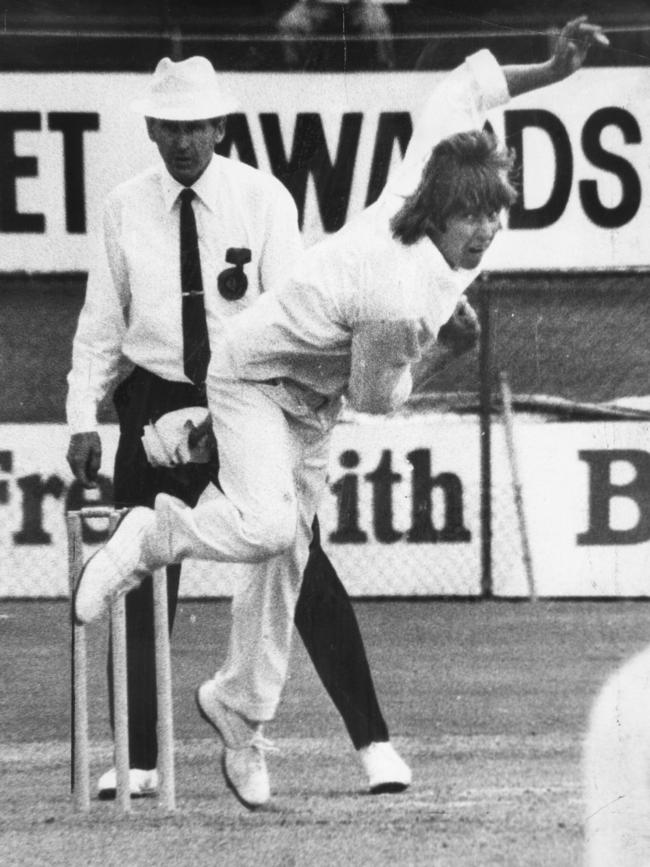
column 487, row 700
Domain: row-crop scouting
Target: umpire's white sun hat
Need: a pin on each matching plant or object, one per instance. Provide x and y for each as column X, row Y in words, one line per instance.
column 187, row 90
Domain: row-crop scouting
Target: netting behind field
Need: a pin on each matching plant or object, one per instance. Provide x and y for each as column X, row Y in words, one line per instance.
column 406, row 505
column 581, row 337
column 574, row 349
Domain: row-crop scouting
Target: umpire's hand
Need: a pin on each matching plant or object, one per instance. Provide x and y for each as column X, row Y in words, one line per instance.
column 85, row 457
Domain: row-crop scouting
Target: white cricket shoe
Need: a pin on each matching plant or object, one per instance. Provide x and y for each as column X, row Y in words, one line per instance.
column 115, row 569
column 243, row 762
column 387, row 771
column 142, row 784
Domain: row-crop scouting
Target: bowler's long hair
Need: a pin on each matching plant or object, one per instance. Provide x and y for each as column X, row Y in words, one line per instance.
column 469, row 172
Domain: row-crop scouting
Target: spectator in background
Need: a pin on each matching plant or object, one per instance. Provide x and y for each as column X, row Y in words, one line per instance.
column 616, row 769
column 306, row 20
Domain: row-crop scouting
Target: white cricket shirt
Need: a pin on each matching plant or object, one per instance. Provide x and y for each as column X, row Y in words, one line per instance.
column 363, row 278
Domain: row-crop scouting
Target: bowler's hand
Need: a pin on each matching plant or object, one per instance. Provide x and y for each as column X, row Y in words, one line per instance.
column 461, row 331
column 572, row 45
column 85, row 457
column 458, row 335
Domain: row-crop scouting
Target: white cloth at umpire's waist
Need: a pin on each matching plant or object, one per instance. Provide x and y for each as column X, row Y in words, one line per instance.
column 167, row 441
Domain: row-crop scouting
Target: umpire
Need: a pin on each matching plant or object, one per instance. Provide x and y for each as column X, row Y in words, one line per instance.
column 194, row 239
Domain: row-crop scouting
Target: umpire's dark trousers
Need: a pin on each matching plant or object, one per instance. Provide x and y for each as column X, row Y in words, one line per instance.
column 324, row 616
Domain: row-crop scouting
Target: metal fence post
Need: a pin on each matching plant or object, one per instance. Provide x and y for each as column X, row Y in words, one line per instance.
column 485, row 447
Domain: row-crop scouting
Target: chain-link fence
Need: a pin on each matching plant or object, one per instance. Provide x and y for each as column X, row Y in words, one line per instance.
column 579, row 337
column 421, row 504
column 316, row 37
column 574, row 349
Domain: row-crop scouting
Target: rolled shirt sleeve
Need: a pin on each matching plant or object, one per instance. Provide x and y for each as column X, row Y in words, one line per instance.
column 460, row 102
column 380, row 366
column 283, row 241
column 96, row 349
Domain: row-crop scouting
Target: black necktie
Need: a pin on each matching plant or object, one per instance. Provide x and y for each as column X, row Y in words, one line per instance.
column 196, row 347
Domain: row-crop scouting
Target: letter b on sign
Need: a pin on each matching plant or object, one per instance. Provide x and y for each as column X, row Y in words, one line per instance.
column 602, row 490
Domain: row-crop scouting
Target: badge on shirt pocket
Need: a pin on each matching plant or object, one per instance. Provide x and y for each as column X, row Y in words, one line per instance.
column 233, row 282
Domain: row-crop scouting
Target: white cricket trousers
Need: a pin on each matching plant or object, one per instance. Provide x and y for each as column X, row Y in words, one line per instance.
column 272, row 470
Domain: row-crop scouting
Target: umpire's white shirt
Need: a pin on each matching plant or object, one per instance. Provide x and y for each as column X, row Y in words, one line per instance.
column 132, row 309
